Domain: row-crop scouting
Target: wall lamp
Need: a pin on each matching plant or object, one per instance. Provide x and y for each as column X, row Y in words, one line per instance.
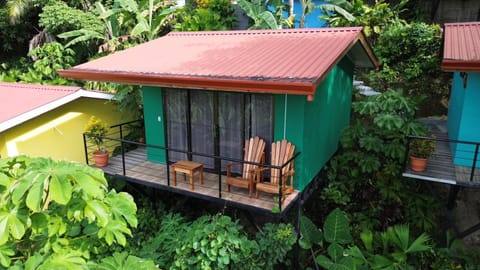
column 464, row 76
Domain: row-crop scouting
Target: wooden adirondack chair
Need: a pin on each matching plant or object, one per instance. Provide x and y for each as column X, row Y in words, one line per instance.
column 282, row 151
column 254, row 152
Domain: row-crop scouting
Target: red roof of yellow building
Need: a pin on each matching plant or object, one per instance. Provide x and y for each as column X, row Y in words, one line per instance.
column 21, row 102
column 293, row 61
column 461, row 46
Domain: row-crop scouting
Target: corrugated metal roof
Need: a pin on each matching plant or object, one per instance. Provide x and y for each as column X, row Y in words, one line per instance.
column 461, row 46
column 273, row 61
column 21, row 102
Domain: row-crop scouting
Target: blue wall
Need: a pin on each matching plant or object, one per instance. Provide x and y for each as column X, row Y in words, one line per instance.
column 464, row 117
column 311, row 20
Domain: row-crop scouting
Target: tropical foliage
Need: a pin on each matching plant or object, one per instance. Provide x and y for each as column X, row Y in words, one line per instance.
column 408, row 51
column 206, row 16
column 262, row 17
column 392, row 249
column 58, row 214
column 371, row 160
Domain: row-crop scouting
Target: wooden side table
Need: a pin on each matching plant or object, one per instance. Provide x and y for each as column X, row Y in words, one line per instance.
column 187, row 167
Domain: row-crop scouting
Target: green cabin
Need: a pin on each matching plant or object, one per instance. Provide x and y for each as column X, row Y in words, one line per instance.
column 205, row 93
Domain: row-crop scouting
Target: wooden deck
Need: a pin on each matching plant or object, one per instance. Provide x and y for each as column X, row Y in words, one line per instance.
column 441, row 168
column 139, row 170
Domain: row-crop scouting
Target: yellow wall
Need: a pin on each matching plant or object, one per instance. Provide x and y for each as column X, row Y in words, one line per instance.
column 58, row 133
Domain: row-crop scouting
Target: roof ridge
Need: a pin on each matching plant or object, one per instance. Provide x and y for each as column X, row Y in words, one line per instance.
column 268, row 32
column 461, row 23
column 42, row 87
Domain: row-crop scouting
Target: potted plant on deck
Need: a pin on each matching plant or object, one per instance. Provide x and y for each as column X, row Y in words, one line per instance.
column 95, row 131
column 420, row 150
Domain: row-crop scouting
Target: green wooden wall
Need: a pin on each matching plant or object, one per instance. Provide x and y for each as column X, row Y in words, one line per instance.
column 154, row 127
column 315, row 126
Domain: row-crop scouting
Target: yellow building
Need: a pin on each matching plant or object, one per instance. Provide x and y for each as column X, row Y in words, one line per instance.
column 48, row 121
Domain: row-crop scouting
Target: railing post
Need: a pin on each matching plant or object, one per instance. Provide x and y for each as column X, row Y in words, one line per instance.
column 280, row 191
column 407, row 150
column 123, row 157
column 219, row 171
column 85, row 147
column 121, row 132
column 472, row 174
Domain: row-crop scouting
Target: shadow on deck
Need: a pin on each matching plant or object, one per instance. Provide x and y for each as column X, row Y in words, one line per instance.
column 139, row 170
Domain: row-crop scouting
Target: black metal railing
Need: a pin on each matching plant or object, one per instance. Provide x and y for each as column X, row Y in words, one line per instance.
column 464, row 157
column 116, row 139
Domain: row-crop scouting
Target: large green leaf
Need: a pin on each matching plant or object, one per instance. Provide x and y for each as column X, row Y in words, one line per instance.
column 60, row 189
column 324, row 261
column 420, row 244
column 81, row 36
column 96, row 210
column 5, row 180
column 389, row 121
column 122, row 207
column 12, row 223
column 310, row 234
column 372, row 143
column 123, row 261
column 6, row 252
column 34, row 261
column 115, row 231
column 337, row 228
column 35, row 196
column 68, row 259
column 267, row 20
column 335, row 251
column 56, row 226
column 369, row 164
column 20, row 189
column 90, row 185
column 328, row 8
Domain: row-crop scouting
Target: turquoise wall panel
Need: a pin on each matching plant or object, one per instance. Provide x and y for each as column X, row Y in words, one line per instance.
column 154, row 127
column 455, row 107
column 464, row 117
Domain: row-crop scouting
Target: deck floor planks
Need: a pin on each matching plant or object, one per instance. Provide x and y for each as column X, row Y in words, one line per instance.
column 440, row 167
column 137, row 167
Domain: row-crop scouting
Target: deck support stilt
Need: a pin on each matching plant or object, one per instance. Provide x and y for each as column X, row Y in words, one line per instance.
column 452, row 197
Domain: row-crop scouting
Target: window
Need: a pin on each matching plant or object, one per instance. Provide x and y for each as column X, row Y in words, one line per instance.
column 215, row 123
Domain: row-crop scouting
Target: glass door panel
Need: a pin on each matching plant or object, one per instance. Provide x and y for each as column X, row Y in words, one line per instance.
column 176, row 112
column 202, row 127
column 231, row 114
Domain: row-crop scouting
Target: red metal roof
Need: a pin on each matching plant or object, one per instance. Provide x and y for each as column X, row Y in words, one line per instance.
column 22, row 102
column 272, row 61
column 16, row 98
column 461, row 47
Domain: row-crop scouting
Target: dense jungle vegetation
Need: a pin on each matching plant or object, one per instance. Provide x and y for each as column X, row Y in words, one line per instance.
column 60, row 215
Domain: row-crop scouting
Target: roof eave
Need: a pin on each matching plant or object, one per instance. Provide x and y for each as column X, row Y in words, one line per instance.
column 369, row 51
column 26, row 116
column 457, row 65
column 237, row 85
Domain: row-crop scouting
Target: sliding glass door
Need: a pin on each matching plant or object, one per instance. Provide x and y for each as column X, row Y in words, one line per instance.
column 215, row 123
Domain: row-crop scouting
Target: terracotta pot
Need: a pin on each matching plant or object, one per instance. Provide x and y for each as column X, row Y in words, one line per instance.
column 418, row 164
column 101, row 158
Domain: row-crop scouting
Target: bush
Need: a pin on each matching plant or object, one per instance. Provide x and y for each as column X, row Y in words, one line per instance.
column 59, row 215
